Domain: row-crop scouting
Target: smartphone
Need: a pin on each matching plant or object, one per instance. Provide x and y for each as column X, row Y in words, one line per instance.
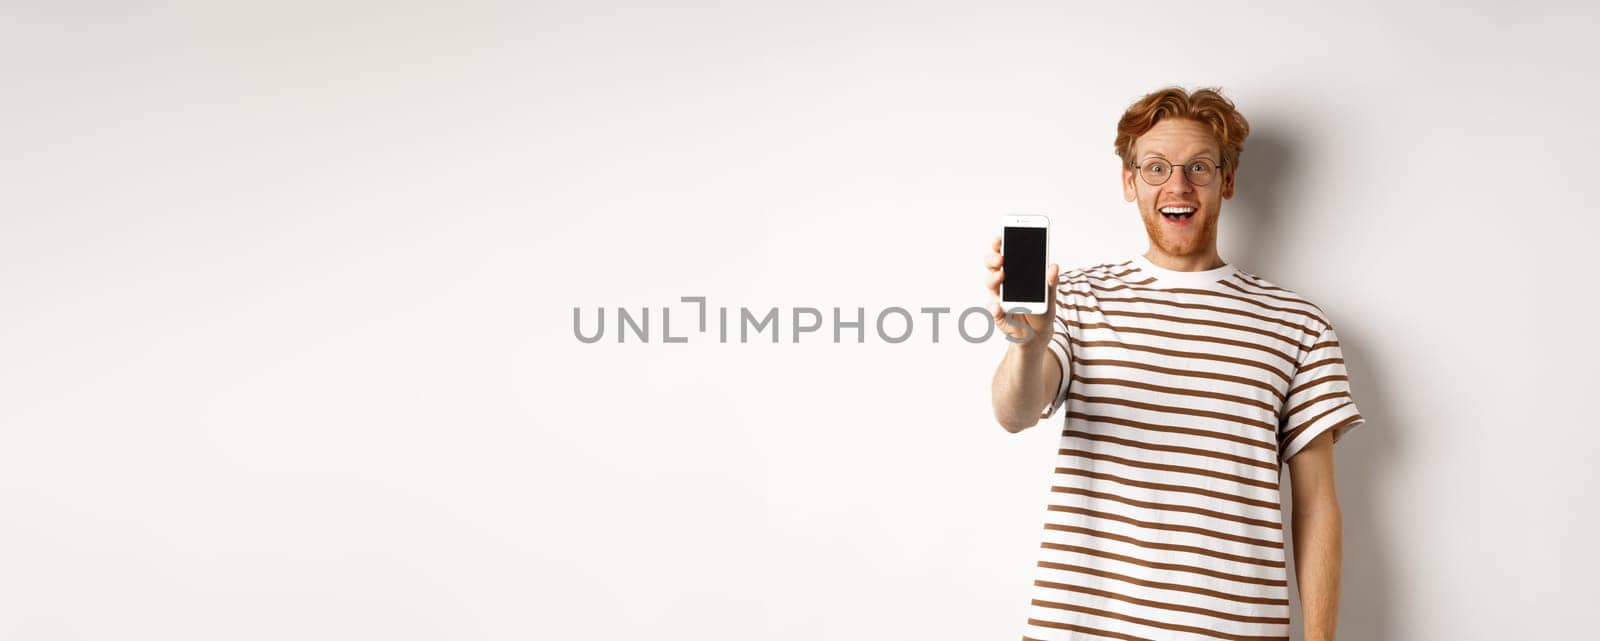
column 1025, row 242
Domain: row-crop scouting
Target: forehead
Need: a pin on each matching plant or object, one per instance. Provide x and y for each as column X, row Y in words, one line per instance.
column 1176, row 138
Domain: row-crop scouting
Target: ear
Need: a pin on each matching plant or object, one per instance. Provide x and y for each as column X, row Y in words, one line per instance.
column 1227, row 184
column 1129, row 191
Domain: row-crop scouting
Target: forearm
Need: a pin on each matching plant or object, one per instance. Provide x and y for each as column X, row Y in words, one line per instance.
column 1317, row 553
column 1024, row 383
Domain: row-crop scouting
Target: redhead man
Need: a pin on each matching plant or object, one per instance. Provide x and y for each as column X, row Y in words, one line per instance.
column 1188, row 384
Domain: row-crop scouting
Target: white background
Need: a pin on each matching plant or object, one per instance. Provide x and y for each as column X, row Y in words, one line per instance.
column 287, row 349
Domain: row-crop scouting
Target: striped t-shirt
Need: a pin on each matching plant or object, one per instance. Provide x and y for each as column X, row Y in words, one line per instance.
column 1184, row 394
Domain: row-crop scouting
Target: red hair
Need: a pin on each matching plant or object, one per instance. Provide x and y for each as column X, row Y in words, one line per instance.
column 1205, row 106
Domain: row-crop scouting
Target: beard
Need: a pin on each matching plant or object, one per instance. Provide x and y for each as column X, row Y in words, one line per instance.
column 1198, row 237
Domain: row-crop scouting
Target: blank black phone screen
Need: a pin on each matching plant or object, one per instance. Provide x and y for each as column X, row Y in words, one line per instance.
column 1024, row 251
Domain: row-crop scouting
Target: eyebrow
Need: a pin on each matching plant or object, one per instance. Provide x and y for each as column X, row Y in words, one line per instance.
column 1164, row 155
column 1204, row 154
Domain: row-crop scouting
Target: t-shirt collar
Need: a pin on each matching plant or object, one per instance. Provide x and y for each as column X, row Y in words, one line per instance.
column 1165, row 278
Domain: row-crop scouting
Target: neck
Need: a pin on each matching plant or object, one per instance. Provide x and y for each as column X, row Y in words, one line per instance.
column 1186, row 263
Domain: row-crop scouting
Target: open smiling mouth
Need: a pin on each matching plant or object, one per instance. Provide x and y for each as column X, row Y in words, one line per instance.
column 1177, row 214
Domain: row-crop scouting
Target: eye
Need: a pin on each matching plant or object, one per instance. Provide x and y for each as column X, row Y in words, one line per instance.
column 1199, row 167
column 1155, row 167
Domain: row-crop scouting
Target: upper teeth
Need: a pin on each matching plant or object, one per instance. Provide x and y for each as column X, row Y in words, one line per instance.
column 1177, row 210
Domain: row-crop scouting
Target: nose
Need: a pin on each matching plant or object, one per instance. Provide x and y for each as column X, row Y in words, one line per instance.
column 1179, row 181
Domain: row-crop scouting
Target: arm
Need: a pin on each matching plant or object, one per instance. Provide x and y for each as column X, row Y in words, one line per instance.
column 1030, row 374
column 1317, row 536
column 1025, row 381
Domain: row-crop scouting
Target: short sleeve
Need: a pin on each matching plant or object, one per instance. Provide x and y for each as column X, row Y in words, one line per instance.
column 1059, row 346
column 1319, row 398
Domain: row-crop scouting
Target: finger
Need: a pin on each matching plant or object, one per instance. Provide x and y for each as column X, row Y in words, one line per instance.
column 995, row 246
column 1008, row 324
column 1001, row 319
column 995, row 278
column 994, row 261
column 1055, row 275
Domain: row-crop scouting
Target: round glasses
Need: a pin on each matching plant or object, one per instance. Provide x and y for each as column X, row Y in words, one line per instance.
column 1199, row 171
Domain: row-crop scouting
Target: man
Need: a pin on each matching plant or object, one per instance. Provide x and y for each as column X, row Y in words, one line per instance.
column 1188, row 382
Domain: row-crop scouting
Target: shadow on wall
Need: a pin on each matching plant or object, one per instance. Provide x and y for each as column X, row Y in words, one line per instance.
column 1261, row 209
column 1261, row 201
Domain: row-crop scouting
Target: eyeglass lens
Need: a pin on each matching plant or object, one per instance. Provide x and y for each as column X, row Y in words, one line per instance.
column 1156, row 172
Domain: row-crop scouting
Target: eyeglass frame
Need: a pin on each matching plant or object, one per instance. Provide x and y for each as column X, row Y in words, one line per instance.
column 1138, row 169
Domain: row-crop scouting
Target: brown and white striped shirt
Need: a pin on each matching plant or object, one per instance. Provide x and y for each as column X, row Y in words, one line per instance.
column 1184, row 393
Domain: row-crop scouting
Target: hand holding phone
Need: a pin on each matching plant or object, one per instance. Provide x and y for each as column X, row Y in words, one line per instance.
column 1021, row 287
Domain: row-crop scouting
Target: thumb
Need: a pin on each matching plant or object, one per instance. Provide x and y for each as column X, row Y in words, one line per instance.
column 1051, row 283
